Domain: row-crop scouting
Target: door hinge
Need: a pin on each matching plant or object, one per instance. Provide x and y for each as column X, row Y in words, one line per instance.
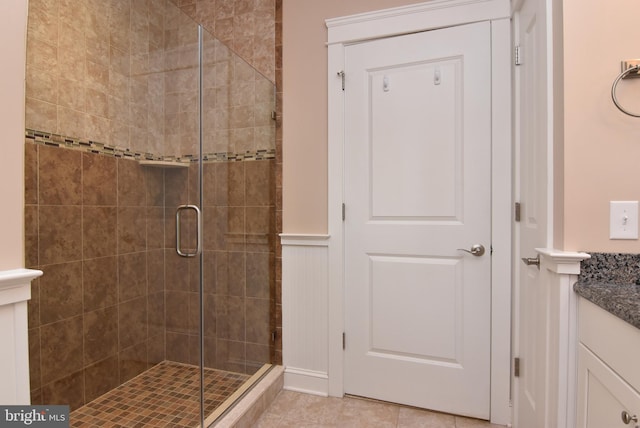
column 341, row 74
column 517, row 56
column 344, row 340
column 516, row 367
column 274, row 335
column 518, row 211
column 344, row 210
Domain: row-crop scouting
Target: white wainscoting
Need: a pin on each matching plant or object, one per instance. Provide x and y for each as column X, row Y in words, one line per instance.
column 305, row 313
column 15, row 291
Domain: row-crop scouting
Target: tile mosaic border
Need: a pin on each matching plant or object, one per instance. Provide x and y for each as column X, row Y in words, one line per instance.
column 56, row 140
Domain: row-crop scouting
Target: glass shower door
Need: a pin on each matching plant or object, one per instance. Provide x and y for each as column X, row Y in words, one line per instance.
column 238, row 207
column 224, row 204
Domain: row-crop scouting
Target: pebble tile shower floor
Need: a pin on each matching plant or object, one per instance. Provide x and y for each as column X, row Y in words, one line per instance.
column 167, row 395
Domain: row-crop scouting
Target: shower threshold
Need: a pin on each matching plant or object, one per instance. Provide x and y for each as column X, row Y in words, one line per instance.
column 166, row 395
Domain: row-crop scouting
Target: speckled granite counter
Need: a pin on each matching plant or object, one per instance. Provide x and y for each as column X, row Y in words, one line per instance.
column 609, row 281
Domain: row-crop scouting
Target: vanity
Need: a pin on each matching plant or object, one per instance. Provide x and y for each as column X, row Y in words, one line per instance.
column 608, row 378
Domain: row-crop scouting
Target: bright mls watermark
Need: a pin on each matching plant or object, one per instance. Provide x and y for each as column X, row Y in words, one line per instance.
column 34, row 416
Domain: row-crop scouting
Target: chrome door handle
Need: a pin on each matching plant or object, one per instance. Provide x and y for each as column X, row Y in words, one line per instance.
column 627, row 418
column 477, row 250
column 532, row 261
column 198, row 230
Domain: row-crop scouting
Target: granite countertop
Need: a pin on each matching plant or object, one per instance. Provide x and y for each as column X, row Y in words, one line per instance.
column 609, row 281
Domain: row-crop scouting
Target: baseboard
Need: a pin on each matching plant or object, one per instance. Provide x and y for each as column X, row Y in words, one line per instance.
column 306, row 381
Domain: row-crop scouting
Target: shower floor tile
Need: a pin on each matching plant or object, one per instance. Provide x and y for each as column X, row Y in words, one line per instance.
column 166, row 395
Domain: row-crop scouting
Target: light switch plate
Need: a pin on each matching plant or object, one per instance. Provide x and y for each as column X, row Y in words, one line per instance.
column 623, row 220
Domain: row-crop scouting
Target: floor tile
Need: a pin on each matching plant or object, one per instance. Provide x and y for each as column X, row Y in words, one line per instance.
column 462, row 422
column 297, row 410
column 416, row 418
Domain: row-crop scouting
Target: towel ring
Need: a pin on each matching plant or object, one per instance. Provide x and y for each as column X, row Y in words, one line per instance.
column 624, row 75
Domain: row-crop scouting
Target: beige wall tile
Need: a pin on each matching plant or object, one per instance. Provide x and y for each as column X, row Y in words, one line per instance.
column 97, row 104
column 119, row 133
column 119, row 109
column 138, row 115
column 118, row 85
column 41, row 115
column 43, row 24
column 73, row 14
column 140, row 64
column 97, row 76
column 119, row 61
column 139, row 139
column 242, row 70
column 41, row 85
column 72, row 94
column 72, row 123
column 242, row 93
column 265, row 137
column 241, row 117
column 49, row 5
column 97, row 128
column 42, row 55
column 262, row 114
column 243, row 140
column 120, row 25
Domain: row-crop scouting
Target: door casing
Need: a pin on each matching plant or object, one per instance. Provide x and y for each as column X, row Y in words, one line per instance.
column 403, row 20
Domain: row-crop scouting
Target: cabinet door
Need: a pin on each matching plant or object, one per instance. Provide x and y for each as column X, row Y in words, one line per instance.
column 603, row 395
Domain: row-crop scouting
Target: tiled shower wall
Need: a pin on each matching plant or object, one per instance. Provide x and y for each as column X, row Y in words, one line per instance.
column 253, row 30
column 94, row 225
column 238, row 274
column 248, row 27
column 90, row 70
column 96, row 71
column 125, row 73
column 115, row 298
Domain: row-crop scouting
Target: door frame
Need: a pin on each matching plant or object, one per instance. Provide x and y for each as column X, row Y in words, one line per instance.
column 402, row 20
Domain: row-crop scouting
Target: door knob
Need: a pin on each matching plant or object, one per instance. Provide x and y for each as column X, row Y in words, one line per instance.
column 477, row 250
column 532, row 261
column 627, row 418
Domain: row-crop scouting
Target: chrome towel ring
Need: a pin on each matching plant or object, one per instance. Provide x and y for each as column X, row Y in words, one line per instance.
column 627, row 72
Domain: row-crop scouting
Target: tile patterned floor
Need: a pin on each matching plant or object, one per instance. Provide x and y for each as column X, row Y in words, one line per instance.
column 295, row 410
column 164, row 396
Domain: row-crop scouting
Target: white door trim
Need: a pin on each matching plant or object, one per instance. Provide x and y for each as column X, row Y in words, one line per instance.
column 422, row 17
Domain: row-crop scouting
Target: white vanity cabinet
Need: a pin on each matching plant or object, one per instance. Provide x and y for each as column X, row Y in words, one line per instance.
column 608, row 370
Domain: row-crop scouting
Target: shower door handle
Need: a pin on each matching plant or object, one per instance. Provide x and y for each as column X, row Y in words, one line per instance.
column 179, row 211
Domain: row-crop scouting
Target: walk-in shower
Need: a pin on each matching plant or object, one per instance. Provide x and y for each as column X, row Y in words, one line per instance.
column 134, row 110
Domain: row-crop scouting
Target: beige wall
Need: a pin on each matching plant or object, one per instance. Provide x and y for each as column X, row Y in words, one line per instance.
column 12, row 75
column 602, row 145
column 601, row 155
column 305, row 107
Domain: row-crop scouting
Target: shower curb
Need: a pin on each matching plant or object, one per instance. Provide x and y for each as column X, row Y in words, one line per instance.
column 258, row 399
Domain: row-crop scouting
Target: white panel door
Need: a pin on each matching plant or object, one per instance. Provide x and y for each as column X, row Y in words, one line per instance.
column 417, row 189
column 531, row 232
